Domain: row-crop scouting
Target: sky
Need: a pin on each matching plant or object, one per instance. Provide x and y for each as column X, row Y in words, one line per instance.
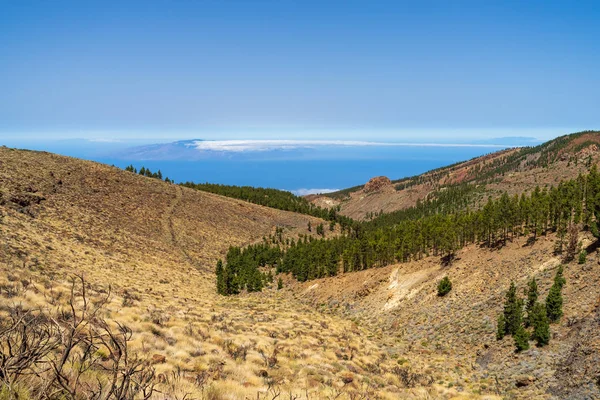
column 336, row 70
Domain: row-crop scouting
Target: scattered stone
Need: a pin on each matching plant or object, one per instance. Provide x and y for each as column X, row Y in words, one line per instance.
column 524, row 380
column 347, row 379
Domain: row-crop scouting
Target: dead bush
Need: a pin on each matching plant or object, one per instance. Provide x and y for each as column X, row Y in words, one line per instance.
column 237, row 352
column 71, row 353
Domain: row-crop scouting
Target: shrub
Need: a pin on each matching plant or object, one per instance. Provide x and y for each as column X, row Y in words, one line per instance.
column 444, row 287
column 582, row 257
column 237, row 352
column 51, row 352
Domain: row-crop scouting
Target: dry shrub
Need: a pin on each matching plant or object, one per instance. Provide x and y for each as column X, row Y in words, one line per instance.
column 237, row 352
column 411, row 379
column 70, row 353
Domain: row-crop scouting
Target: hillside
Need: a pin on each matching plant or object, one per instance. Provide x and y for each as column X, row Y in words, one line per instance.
column 154, row 246
column 456, row 334
column 377, row 333
column 509, row 170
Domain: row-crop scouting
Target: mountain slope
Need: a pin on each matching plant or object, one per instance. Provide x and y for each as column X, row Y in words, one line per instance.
column 154, row 246
column 509, row 170
column 458, row 332
column 378, row 333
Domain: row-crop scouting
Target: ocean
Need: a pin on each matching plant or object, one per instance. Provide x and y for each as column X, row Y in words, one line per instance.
column 309, row 171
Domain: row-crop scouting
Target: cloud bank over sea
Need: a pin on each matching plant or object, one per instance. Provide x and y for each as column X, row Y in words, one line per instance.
column 304, row 192
column 240, row 146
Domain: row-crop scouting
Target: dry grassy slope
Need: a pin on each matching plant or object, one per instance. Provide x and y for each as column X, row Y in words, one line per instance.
column 456, row 334
column 112, row 209
column 388, row 199
column 154, row 245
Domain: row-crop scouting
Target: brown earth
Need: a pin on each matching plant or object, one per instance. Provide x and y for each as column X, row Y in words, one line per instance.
column 567, row 163
column 377, row 184
column 380, row 333
column 454, row 336
column 154, row 246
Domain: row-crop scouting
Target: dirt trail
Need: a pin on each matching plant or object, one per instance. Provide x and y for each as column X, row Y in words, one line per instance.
column 169, row 228
column 167, row 219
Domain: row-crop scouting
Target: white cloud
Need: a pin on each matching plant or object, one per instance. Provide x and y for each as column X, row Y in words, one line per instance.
column 239, row 146
column 105, row 140
column 304, row 192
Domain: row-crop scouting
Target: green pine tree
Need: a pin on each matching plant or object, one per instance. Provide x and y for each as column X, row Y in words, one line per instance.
column 554, row 303
column 231, row 282
column 221, row 287
column 513, row 310
column 541, row 325
column 532, row 297
column 501, row 331
column 279, row 283
column 321, row 230
column 559, row 278
column 521, row 337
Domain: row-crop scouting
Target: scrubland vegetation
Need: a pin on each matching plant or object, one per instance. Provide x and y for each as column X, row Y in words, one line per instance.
column 108, row 291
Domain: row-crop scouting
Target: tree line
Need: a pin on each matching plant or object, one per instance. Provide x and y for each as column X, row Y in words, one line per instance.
column 274, row 198
column 147, row 172
column 436, row 228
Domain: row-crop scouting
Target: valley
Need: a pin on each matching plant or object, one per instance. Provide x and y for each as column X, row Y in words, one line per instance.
column 380, row 332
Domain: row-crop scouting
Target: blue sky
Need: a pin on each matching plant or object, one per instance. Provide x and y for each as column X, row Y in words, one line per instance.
column 373, row 70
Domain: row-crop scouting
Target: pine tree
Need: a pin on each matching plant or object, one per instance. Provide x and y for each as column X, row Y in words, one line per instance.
column 221, row 288
column 513, row 310
column 501, row 331
column 231, row 282
column 321, row 230
column 532, row 297
column 554, row 302
column 279, row 283
column 559, row 278
column 521, row 337
column 572, row 243
column 541, row 325
column 444, row 287
column 592, row 200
